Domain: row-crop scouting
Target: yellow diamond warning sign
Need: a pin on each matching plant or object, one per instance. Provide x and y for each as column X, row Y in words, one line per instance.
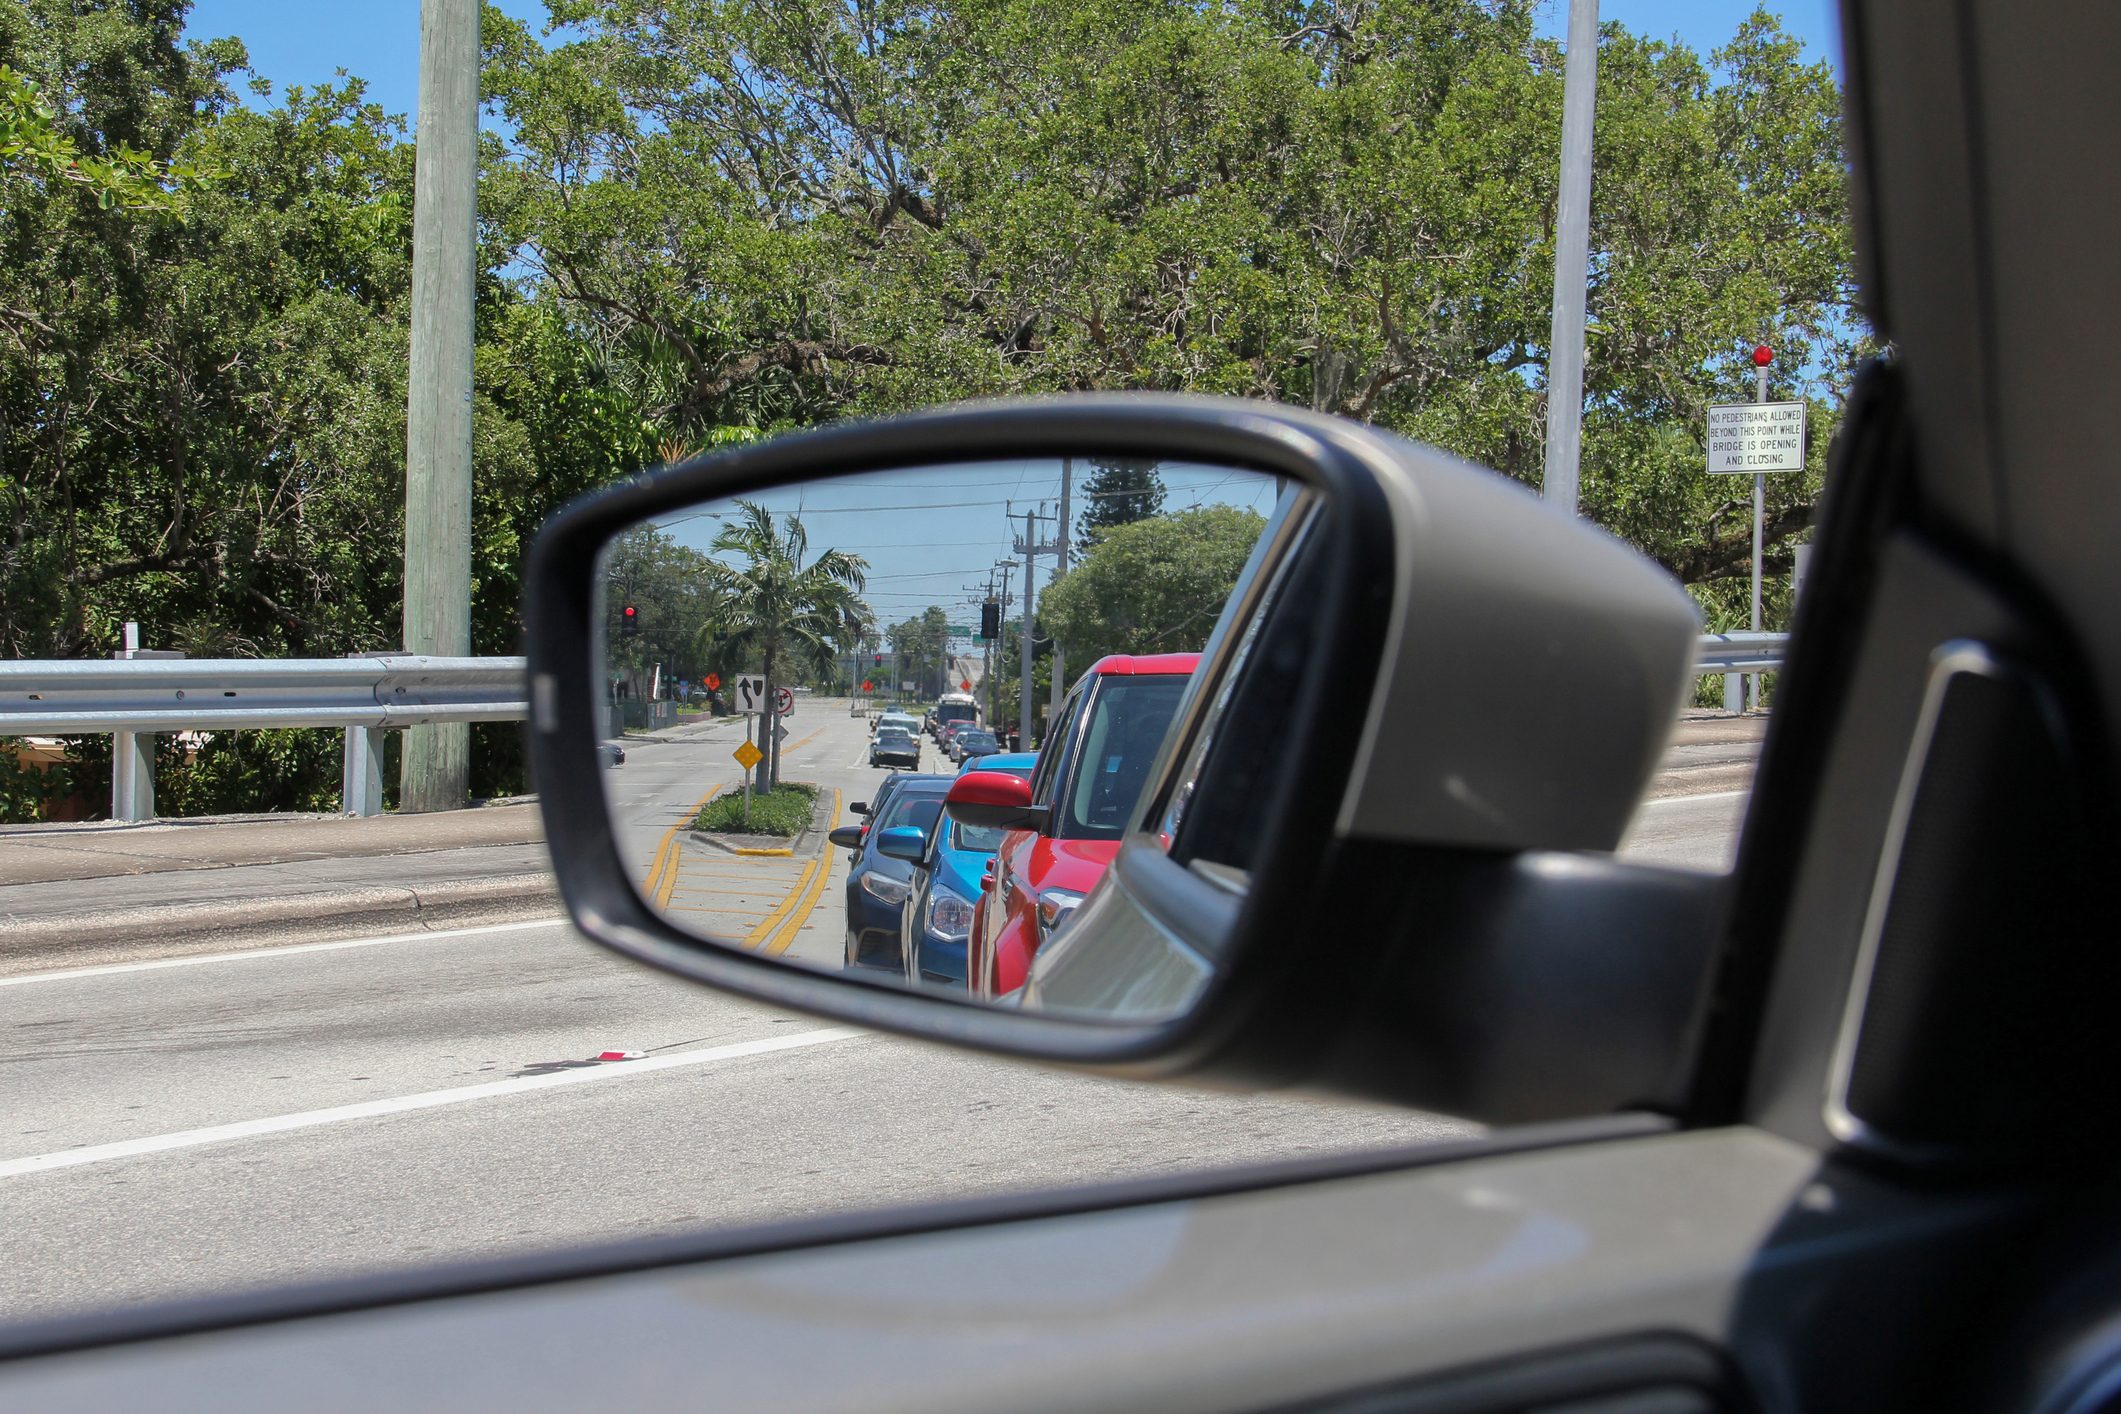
column 747, row 755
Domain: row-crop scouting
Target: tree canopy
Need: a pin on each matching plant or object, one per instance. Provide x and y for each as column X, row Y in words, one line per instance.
column 707, row 220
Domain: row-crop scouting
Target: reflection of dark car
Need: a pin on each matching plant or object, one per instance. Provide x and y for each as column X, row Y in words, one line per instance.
column 871, row 808
column 893, row 746
column 610, row 753
column 877, row 884
column 968, row 742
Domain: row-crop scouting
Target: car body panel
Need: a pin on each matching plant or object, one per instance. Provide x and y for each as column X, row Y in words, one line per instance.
column 1301, row 1285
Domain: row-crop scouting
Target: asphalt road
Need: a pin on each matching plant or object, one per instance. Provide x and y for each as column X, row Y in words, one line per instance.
column 199, row 1124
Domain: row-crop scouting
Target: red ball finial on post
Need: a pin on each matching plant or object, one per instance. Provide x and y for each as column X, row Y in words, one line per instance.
column 1763, row 356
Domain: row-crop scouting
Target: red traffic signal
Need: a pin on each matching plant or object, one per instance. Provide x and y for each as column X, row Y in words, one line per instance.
column 879, row 660
column 629, row 621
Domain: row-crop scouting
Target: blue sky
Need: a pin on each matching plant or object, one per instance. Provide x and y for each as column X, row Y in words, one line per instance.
column 379, row 40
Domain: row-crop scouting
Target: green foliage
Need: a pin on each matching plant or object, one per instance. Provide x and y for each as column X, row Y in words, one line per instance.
column 785, row 810
column 1118, row 491
column 1155, row 586
column 716, row 219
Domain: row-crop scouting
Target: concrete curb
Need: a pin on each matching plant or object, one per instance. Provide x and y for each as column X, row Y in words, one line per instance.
column 319, row 915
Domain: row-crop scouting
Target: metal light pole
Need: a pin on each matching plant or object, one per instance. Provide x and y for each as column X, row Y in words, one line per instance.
column 1572, row 240
column 436, row 773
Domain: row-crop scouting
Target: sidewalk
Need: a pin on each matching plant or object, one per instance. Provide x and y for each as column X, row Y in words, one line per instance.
column 81, row 892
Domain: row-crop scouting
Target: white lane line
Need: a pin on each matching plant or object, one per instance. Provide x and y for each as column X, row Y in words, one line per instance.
column 339, row 1114
column 201, row 959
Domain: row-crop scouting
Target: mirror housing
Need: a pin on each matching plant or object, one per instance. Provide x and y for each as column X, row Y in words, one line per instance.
column 903, row 842
column 848, row 836
column 1462, row 687
column 994, row 800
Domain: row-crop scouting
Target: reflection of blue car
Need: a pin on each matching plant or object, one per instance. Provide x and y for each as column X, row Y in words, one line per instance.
column 878, row 883
column 946, row 886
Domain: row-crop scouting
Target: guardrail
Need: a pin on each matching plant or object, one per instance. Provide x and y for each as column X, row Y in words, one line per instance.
column 136, row 699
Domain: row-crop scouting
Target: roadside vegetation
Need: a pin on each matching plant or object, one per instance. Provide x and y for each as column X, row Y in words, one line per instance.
column 712, row 222
column 785, row 811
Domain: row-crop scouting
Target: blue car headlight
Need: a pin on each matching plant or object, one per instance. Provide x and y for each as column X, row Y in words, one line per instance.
column 949, row 917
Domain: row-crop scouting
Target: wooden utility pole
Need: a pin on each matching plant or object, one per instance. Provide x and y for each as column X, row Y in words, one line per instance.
column 436, row 772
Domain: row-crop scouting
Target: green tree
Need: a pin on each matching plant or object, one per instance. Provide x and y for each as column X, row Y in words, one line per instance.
column 1118, row 491
column 770, row 603
column 1155, row 586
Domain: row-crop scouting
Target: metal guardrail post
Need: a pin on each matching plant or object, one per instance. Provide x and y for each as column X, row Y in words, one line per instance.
column 1731, row 700
column 132, row 754
column 132, row 776
column 361, row 774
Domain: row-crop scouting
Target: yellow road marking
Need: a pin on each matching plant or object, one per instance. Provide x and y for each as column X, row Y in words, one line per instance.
column 794, row 925
column 758, row 934
column 656, row 886
column 766, row 853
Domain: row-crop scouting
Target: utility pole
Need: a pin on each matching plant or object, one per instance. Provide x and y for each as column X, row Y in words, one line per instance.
column 1572, row 239
column 1060, row 567
column 436, row 773
column 994, row 677
column 1029, row 547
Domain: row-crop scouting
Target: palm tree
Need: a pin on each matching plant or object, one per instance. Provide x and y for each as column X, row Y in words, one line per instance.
column 765, row 602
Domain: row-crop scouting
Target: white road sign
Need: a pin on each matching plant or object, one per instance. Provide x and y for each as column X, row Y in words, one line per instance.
column 751, row 693
column 1750, row 437
column 784, row 700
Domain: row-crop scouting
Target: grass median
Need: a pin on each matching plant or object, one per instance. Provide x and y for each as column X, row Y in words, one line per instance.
column 784, row 811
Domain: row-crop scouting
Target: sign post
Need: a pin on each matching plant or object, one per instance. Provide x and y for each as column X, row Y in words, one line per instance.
column 1762, row 438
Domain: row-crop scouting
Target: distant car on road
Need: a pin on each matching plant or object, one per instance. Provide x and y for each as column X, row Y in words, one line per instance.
column 610, row 753
column 968, row 742
column 895, row 746
column 902, row 721
column 879, row 883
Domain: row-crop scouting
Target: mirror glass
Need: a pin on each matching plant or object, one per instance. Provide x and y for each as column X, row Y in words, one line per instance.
column 797, row 679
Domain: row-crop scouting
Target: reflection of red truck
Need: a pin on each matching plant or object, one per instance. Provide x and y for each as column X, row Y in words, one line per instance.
column 1078, row 803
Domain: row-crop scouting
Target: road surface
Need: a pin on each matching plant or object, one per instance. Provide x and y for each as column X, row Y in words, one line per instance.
column 189, row 1125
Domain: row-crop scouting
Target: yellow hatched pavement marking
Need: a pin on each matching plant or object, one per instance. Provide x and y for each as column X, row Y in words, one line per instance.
column 663, row 872
column 794, row 925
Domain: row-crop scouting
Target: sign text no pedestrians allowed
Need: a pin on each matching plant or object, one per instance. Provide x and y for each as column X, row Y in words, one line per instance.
column 1756, row 437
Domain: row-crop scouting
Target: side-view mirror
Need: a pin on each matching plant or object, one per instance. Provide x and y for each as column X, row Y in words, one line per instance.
column 993, row 800
column 847, row 836
column 903, row 842
column 1357, row 835
column 859, row 807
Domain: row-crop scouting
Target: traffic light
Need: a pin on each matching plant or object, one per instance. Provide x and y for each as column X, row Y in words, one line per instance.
column 990, row 619
column 879, row 660
column 629, row 622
